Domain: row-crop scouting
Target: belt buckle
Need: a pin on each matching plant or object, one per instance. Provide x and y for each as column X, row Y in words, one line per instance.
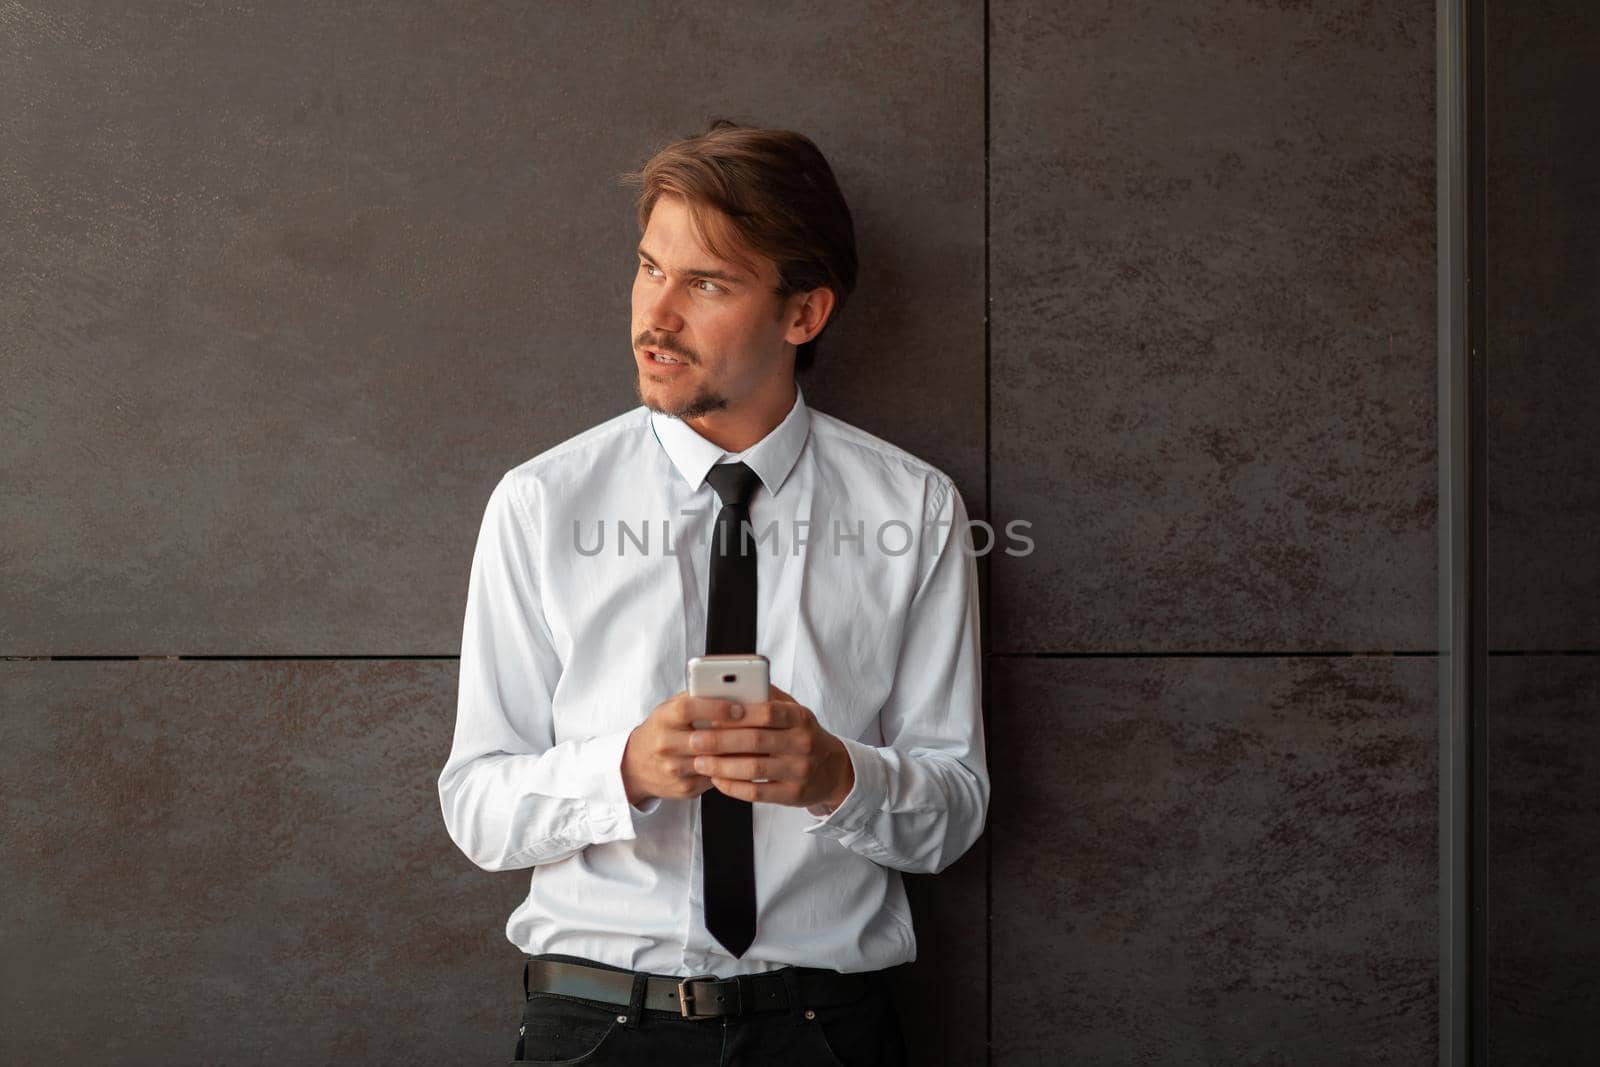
column 686, row 998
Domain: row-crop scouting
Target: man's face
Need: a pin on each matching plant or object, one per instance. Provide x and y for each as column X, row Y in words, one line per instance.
column 721, row 320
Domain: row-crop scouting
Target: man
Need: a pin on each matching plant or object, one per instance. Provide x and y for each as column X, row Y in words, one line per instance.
column 759, row 854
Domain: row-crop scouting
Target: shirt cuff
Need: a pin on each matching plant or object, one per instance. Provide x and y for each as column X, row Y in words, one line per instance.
column 609, row 813
column 865, row 797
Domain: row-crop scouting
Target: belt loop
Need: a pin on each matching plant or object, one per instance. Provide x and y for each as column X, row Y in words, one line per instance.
column 641, row 983
column 526, row 960
column 791, row 985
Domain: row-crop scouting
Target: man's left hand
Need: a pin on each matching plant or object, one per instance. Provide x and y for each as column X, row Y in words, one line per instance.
column 781, row 741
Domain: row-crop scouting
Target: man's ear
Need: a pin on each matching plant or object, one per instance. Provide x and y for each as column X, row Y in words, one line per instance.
column 809, row 314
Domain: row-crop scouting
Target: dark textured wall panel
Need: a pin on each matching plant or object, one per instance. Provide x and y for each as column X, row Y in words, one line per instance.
column 242, row 862
column 246, row 862
column 290, row 285
column 1215, row 860
column 942, row 997
column 1542, row 312
column 1544, row 859
column 1213, row 354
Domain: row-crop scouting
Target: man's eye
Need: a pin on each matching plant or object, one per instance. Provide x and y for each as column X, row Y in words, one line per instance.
column 646, row 267
column 714, row 286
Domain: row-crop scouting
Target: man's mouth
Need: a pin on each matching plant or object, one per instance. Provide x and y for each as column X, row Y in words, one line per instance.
column 658, row 356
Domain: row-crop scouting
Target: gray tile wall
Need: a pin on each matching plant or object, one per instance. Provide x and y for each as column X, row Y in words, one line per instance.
column 1544, row 859
column 288, row 287
column 1215, row 860
column 223, row 862
column 1213, row 390
column 1213, row 357
column 1543, row 387
column 1543, row 327
column 294, row 285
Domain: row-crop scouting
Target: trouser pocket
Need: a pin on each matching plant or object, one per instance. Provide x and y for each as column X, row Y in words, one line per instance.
column 557, row 1029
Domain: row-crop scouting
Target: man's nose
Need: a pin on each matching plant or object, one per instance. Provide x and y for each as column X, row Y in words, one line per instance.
column 662, row 310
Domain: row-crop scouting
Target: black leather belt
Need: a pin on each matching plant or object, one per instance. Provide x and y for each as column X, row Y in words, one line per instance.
column 701, row 996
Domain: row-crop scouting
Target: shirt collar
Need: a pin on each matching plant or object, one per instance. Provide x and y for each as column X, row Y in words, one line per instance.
column 772, row 457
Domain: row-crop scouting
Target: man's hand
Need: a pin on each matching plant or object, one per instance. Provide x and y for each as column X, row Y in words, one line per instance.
column 780, row 741
column 657, row 760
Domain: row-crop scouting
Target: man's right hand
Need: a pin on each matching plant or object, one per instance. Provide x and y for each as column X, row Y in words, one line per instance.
column 657, row 761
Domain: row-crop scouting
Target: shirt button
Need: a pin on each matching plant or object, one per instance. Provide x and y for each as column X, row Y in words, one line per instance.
column 810, row 1014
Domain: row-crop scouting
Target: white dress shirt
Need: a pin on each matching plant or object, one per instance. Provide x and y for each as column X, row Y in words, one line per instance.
column 873, row 625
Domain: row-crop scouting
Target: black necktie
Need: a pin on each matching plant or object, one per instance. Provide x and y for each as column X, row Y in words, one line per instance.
column 730, row 864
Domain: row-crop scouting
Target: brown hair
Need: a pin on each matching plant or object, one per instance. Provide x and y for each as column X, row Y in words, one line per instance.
column 776, row 197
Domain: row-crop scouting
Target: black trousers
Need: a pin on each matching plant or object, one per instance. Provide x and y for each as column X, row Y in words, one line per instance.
column 568, row 1030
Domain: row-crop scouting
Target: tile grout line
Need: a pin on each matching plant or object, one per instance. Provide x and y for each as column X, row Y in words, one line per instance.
column 988, row 585
column 1315, row 653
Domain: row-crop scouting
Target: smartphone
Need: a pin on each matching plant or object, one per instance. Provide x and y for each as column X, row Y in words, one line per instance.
column 743, row 678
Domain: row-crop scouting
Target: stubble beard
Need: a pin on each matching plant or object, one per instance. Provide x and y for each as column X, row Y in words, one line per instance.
column 702, row 403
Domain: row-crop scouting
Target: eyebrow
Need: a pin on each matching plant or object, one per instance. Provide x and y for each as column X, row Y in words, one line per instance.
column 698, row 272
